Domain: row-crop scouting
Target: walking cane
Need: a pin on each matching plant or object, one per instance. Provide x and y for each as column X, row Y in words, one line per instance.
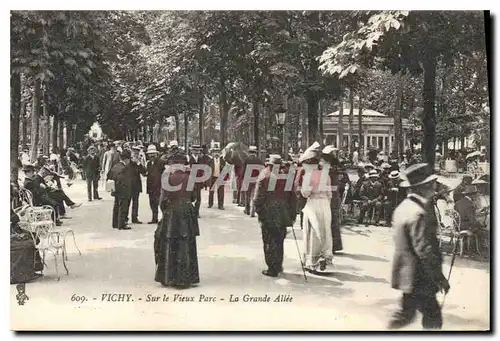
column 451, row 267
column 298, row 251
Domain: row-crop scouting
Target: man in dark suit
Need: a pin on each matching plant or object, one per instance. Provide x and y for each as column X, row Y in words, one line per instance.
column 248, row 193
column 276, row 208
column 137, row 169
column 371, row 194
column 92, row 169
column 121, row 173
column 467, row 210
column 155, row 167
column 417, row 262
column 217, row 164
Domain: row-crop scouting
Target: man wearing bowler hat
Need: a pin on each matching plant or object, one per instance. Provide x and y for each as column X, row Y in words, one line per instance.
column 121, row 173
column 92, row 169
column 417, row 262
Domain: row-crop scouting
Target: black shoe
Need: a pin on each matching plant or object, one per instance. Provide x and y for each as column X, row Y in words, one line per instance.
column 136, row 221
column 90, row 200
column 322, row 265
column 210, row 206
column 246, row 212
column 65, row 217
column 153, row 221
column 221, row 208
column 99, row 198
column 58, row 223
column 125, row 228
column 76, row 205
column 269, row 273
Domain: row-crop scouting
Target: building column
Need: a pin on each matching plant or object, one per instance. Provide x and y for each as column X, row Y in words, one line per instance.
column 390, row 144
column 338, row 141
column 404, row 142
column 383, row 144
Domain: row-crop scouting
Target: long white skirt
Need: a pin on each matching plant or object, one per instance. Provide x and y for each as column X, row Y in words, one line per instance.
column 317, row 231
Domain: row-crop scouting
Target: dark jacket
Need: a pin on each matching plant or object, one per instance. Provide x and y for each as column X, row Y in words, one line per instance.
column 92, row 166
column 154, row 171
column 467, row 212
column 276, row 208
column 417, row 262
column 179, row 217
column 137, row 170
column 123, row 176
column 371, row 191
column 253, row 160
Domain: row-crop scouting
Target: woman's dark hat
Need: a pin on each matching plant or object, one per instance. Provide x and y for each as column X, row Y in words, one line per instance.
column 418, row 174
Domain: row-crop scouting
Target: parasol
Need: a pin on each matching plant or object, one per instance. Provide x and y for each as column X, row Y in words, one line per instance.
column 235, row 153
column 474, row 154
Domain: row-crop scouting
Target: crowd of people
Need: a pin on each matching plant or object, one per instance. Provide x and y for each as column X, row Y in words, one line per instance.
column 319, row 190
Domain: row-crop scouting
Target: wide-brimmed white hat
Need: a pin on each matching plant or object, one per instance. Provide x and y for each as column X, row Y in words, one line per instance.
column 329, row 149
column 418, row 174
column 252, row 149
column 311, row 152
column 151, row 149
column 173, row 143
column 373, row 174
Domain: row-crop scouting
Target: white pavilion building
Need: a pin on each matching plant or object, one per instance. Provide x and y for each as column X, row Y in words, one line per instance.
column 377, row 129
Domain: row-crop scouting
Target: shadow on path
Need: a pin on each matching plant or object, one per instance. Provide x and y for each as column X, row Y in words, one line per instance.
column 361, row 257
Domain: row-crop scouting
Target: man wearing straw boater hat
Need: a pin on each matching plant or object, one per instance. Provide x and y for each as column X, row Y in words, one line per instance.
column 154, row 167
column 371, row 194
column 417, row 262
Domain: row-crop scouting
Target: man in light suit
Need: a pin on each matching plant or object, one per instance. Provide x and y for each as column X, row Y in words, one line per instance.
column 417, row 263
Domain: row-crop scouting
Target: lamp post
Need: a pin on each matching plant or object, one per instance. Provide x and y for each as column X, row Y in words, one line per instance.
column 280, row 120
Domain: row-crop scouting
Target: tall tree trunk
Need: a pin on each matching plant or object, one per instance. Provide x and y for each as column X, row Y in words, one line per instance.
column 320, row 112
column 55, row 127
column 177, row 128
column 429, row 119
column 60, row 133
column 35, row 113
column 15, row 112
column 46, row 118
column 361, row 139
column 185, row 131
column 256, row 126
column 201, row 120
column 24, row 124
column 312, row 118
column 398, row 146
column 224, row 112
column 340, row 131
column 351, row 118
column 68, row 134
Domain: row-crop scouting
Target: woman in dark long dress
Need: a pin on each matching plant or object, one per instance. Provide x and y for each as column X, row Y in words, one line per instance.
column 328, row 156
column 175, row 238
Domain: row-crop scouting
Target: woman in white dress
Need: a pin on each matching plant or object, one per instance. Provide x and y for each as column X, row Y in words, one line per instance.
column 317, row 212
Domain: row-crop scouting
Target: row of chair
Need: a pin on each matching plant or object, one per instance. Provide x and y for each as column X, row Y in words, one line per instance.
column 38, row 222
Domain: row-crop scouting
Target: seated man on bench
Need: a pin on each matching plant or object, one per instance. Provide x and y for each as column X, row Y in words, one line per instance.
column 371, row 195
